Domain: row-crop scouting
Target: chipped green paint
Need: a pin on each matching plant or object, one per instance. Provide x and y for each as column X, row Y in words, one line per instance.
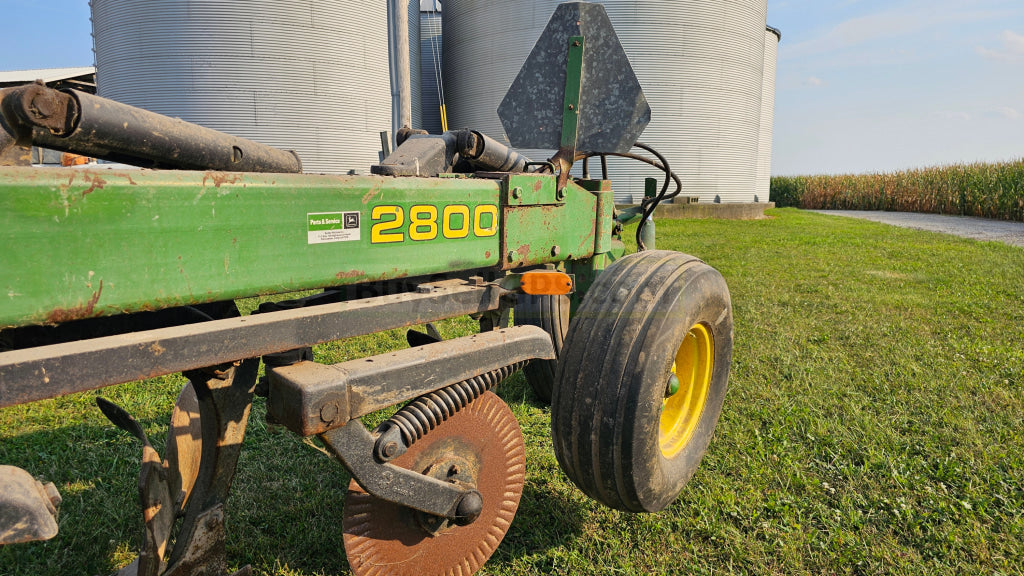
column 91, row 242
column 82, row 243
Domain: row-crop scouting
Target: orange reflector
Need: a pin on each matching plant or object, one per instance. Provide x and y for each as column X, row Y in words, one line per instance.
column 546, row 282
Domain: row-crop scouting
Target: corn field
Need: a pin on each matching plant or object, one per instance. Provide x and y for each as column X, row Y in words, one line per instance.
column 980, row 189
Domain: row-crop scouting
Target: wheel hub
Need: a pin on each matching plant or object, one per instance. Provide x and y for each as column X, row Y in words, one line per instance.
column 686, row 396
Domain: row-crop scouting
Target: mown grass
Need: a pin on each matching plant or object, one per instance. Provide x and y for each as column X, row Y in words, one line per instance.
column 992, row 190
column 873, row 425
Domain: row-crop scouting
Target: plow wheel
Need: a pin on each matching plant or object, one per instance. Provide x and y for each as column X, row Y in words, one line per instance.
column 552, row 314
column 481, row 446
column 642, row 378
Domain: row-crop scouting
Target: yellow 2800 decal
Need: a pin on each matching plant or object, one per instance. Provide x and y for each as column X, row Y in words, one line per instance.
column 425, row 222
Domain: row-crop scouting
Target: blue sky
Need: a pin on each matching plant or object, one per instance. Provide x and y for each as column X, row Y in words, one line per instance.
column 871, row 85
column 862, row 85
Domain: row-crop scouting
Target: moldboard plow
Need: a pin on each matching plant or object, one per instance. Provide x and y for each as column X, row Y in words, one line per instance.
column 116, row 275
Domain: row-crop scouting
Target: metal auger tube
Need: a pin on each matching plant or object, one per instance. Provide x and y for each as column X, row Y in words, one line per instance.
column 81, row 123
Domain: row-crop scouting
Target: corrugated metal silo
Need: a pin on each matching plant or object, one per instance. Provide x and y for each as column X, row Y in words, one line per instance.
column 772, row 37
column 308, row 75
column 415, row 74
column 700, row 64
column 430, row 64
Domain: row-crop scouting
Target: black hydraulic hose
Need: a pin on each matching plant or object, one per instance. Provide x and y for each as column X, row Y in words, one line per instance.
column 639, row 158
column 648, row 204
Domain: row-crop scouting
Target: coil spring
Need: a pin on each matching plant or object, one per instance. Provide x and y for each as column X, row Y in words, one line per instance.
column 426, row 412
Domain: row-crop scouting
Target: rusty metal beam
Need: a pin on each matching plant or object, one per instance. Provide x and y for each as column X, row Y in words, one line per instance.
column 50, row 371
column 310, row 398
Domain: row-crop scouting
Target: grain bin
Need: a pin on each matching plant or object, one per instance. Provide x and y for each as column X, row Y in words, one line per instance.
column 415, row 75
column 308, row 75
column 700, row 64
column 772, row 37
column 430, row 64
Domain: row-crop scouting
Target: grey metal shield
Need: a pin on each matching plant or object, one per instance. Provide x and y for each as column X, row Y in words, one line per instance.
column 613, row 111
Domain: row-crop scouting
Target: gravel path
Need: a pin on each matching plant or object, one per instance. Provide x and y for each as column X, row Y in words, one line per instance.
column 1011, row 233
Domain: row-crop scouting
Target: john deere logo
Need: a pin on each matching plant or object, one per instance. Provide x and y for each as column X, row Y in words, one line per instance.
column 324, row 227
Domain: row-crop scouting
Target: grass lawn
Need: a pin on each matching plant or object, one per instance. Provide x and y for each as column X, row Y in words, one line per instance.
column 873, row 425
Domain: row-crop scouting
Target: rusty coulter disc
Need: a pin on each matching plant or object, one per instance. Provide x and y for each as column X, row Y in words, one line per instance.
column 480, row 446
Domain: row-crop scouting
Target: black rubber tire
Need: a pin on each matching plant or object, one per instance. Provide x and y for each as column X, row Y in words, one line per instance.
column 611, row 378
column 552, row 314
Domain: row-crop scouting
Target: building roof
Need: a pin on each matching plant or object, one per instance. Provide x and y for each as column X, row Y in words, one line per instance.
column 47, row 75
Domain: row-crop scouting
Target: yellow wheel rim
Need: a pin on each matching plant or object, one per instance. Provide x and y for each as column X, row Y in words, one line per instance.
column 681, row 410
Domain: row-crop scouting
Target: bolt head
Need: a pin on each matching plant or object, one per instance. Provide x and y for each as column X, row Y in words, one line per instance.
column 517, row 192
column 390, row 448
column 329, row 412
column 469, row 508
column 555, row 250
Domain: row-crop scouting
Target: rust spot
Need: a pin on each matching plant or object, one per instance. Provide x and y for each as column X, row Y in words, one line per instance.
column 487, row 254
column 373, row 192
column 156, row 349
column 524, row 251
column 58, row 315
column 219, row 178
column 96, row 182
column 538, row 185
column 350, row 274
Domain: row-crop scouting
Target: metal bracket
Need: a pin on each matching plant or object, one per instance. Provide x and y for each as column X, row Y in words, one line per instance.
column 353, row 445
column 531, row 190
column 566, row 154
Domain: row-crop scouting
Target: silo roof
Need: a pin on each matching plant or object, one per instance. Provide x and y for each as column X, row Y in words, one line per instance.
column 47, row 75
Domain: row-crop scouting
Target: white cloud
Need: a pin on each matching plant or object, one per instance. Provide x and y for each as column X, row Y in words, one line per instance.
column 1007, row 112
column 954, row 115
column 856, row 31
column 899, row 22
column 1011, row 49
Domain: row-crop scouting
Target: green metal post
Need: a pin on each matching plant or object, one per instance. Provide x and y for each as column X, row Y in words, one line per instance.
column 573, row 83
